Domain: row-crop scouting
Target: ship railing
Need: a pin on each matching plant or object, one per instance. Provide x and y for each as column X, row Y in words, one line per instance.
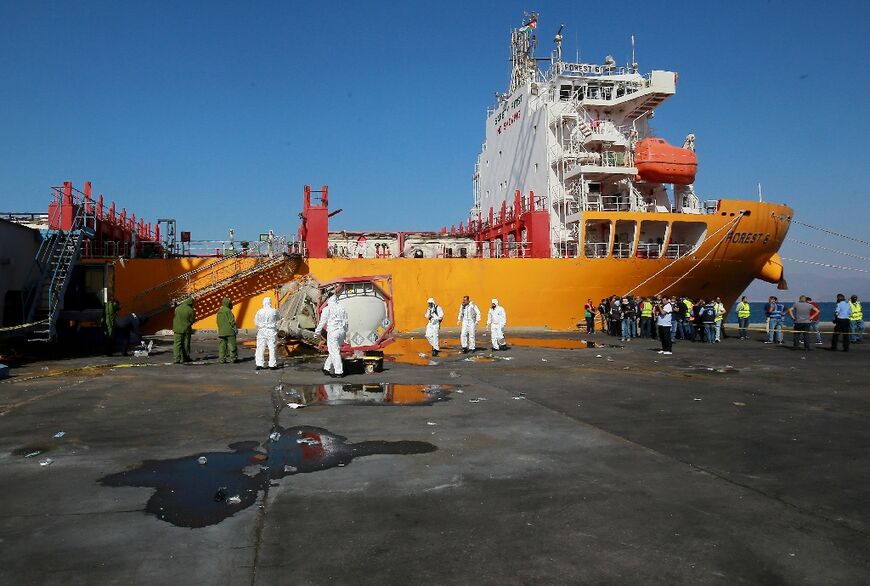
column 678, row 250
column 596, row 249
column 622, row 249
column 648, row 250
column 615, row 203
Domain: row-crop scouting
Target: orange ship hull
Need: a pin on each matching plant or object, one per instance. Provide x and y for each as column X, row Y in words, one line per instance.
column 537, row 293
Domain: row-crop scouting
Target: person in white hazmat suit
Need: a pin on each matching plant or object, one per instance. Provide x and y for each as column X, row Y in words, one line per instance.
column 496, row 319
column 434, row 315
column 469, row 317
column 334, row 319
column 266, row 320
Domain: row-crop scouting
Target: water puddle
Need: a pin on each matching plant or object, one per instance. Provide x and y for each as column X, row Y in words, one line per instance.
column 359, row 394
column 417, row 351
column 204, row 489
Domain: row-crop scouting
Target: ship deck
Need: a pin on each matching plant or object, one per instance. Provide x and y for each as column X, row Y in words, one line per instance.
column 734, row 463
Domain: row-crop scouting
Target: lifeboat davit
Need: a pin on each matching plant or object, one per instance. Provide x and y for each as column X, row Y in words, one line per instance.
column 659, row 162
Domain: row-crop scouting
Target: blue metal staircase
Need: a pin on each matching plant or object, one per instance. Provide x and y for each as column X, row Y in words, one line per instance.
column 55, row 260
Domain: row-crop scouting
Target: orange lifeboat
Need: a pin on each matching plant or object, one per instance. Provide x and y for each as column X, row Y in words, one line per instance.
column 659, row 162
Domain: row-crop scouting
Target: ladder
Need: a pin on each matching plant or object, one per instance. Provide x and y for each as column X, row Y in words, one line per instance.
column 265, row 264
column 55, row 261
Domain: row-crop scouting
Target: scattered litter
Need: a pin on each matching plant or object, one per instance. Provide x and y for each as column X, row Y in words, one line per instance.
column 609, row 359
column 519, row 397
column 308, row 441
column 503, row 357
column 599, row 356
column 221, row 494
column 460, row 391
column 202, row 460
column 697, row 399
column 234, row 500
column 472, row 359
column 477, row 400
column 33, row 453
column 454, row 374
column 433, row 363
column 431, row 423
column 140, row 353
column 295, row 405
column 740, row 403
column 543, row 360
column 289, row 468
column 626, row 368
column 274, row 436
column 59, row 434
column 421, row 355
column 46, row 462
column 44, row 368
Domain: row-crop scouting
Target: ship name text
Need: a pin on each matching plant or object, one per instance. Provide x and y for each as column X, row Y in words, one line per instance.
column 747, row 237
column 502, row 120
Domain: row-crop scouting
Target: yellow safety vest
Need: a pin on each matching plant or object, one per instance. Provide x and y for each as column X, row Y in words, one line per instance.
column 743, row 309
column 646, row 309
column 856, row 311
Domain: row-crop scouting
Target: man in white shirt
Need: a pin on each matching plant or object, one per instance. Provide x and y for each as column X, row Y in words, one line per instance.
column 663, row 311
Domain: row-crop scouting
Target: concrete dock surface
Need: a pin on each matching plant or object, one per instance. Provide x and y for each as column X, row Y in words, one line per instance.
column 549, row 463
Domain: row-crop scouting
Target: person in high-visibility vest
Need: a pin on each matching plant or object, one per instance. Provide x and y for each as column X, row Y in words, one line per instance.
column 856, row 320
column 646, row 314
column 720, row 315
column 743, row 312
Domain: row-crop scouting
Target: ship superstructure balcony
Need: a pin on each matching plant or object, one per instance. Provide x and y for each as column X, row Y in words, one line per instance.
column 632, row 93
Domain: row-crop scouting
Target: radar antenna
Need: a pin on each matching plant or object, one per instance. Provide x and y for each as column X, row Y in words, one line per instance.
column 523, row 42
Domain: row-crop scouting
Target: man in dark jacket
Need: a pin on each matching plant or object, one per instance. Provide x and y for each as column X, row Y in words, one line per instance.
column 182, row 328
column 227, row 330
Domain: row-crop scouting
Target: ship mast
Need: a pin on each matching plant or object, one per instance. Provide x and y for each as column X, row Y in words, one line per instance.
column 523, row 42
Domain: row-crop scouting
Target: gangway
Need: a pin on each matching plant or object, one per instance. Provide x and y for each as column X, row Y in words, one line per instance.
column 249, row 271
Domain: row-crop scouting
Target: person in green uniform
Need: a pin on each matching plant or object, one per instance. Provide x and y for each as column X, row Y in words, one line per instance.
column 227, row 349
column 182, row 328
column 111, row 312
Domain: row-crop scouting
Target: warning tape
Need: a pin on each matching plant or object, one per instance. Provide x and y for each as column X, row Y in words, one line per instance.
column 24, row 326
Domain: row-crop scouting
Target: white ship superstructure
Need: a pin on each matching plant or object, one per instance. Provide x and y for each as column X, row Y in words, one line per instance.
column 572, row 136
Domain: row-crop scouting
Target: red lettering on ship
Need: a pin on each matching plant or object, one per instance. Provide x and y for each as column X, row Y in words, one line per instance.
column 507, row 123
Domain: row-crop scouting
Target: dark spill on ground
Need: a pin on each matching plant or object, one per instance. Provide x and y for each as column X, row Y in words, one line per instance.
column 190, row 494
column 359, row 394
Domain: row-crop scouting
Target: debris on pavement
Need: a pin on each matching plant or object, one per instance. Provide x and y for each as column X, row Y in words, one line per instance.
column 274, row 436
column 202, row 460
column 46, row 462
column 234, row 500
column 59, row 434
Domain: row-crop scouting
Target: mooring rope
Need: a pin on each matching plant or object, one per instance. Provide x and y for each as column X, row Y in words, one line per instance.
column 825, row 230
column 829, row 249
column 823, row 264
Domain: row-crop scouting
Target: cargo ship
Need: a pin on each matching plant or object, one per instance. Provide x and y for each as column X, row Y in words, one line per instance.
column 574, row 197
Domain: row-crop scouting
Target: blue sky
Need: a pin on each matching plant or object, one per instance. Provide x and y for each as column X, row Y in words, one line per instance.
column 217, row 113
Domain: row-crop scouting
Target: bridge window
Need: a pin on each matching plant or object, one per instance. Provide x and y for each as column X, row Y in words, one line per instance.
column 564, row 93
column 597, row 238
column 623, row 240
column 652, row 238
column 686, row 237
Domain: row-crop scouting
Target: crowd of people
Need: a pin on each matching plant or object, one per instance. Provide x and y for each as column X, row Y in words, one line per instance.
column 681, row 318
